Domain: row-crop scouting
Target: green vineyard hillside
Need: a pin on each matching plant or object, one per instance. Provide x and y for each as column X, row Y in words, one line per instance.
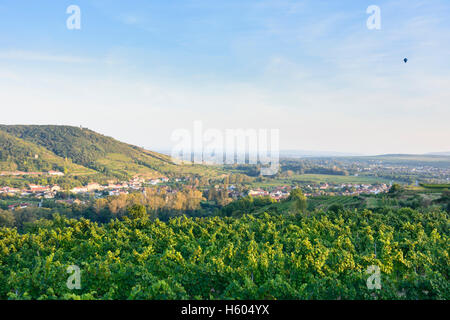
column 319, row 255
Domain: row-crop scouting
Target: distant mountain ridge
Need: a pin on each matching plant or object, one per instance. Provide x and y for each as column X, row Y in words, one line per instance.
column 315, row 154
column 81, row 151
column 328, row 154
column 439, row 153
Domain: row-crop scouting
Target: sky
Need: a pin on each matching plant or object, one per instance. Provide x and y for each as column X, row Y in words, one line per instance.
column 139, row 70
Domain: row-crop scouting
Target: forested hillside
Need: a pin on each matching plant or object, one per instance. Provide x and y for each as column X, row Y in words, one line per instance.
column 85, row 148
column 316, row 255
column 21, row 155
column 82, row 145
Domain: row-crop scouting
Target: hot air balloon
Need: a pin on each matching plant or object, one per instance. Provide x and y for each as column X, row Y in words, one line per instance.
column 405, row 60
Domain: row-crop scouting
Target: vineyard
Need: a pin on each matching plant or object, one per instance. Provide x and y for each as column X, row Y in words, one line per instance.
column 325, row 202
column 317, row 255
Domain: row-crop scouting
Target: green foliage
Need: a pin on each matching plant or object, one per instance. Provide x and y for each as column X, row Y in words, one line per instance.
column 299, row 200
column 395, row 188
column 334, row 203
column 246, row 205
column 323, row 255
column 7, row 219
column 137, row 211
column 336, row 207
column 435, row 186
column 19, row 155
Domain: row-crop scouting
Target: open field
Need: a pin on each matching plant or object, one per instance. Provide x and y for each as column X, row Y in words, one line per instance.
column 319, row 178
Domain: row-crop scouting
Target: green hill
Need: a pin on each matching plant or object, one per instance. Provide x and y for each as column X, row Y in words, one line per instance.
column 88, row 149
column 20, row 155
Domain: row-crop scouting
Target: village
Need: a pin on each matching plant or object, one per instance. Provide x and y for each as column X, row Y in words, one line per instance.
column 139, row 184
column 314, row 190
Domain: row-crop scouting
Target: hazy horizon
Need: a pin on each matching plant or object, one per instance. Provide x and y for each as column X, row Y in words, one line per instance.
column 283, row 152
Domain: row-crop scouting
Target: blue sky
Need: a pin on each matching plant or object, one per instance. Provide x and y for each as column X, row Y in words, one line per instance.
column 137, row 70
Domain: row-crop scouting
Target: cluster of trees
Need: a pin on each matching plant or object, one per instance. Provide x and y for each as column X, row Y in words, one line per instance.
column 155, row 200
column 246, row 170
column 322, row 255
column 219, row 196
column 299, row 200
column 18, row 155
column 158, row 204
column 245, row 205
column 237, row 178
column 445, row 199
column 296, row 203
column 20, row 219
column 315, row 166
